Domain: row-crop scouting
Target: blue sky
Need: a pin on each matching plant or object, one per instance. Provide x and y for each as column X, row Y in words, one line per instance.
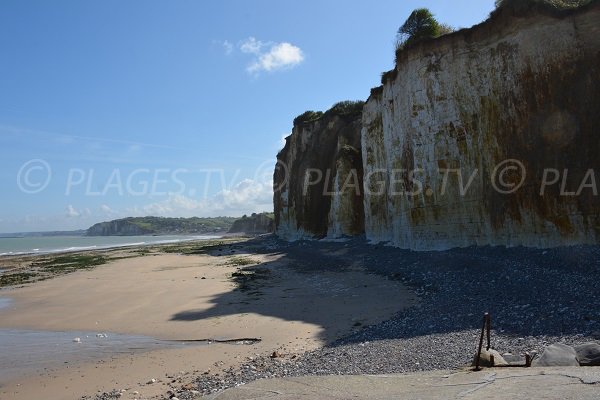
column 115, row 108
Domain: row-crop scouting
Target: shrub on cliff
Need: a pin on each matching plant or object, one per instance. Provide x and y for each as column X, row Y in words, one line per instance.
column 343, row 108
column 520, row 6
column 445, row 29
column 307, row 116
column 347, row 107
column 420, row 25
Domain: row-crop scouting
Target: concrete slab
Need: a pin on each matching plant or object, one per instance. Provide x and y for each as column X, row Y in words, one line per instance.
column 564, row 383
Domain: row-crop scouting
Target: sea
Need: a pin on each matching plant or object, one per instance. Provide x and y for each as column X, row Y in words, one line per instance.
column 29, row 352
column 11, row 246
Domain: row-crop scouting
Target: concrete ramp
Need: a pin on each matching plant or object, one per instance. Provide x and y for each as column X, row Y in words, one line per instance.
column 514, row 383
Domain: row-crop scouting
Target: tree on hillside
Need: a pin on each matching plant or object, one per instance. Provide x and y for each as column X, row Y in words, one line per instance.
column 420, row 25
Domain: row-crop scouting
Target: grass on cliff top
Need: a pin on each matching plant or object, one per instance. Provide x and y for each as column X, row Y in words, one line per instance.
column 528, row 5
column 342, row 108
column 254, row 215
column 308, row 116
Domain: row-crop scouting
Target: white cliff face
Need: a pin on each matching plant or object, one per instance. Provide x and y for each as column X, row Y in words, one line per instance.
column 318, row 180
column 286, row 226
column 517, row 88
column 346, row 217
column 487, row 136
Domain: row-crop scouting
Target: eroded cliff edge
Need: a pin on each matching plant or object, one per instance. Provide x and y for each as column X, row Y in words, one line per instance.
column 437, row 136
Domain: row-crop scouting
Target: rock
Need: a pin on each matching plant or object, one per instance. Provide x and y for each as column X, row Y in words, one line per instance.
column 151, row 381
column 485, row 359
column 557, row 355
column 323, row 155
column 276, row 354
column 396, row 135
column 512, row 358
column 588, row 354
column 255, row 224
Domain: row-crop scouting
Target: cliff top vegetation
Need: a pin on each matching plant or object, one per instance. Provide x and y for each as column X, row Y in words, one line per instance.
column 342, row 108
column 422, row 26
column 527, row 5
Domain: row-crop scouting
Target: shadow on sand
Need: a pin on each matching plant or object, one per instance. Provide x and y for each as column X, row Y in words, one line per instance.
column 529, row 292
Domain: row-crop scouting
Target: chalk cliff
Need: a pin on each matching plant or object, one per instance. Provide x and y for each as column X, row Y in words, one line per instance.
column 516, row 87
column 254, row 224
column 487, row 136
column 318, row 178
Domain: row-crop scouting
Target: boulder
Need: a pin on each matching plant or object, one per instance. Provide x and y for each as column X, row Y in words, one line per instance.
column 557, row 355
column 485, row 359
column 513, row 358
column 588, row 354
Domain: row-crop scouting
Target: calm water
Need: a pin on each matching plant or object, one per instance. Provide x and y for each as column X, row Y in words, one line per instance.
column 53, row 244
column 26, row 352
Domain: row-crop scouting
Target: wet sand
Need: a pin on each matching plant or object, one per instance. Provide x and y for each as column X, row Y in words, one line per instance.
column 190, row 297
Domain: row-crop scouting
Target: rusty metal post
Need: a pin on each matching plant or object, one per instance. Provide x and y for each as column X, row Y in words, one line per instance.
column 488, row 323
column 478, row 357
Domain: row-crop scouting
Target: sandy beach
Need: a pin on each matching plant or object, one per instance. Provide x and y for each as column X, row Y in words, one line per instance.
column 230, row 293
column 323, row 307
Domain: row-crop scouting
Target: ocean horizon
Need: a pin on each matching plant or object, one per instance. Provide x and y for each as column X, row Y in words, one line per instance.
column 13, row 246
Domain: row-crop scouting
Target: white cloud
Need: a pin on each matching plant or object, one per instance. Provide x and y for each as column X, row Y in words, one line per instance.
column 252, row 46
column 245, row 197
column 270, row 56
column 247, row 193
column 227, row 47
column 72, row 212
column 280, row 56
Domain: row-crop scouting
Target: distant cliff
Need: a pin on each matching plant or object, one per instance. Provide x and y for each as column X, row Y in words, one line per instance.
column 135, row 226
column 254, row 224
column 486, row 136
